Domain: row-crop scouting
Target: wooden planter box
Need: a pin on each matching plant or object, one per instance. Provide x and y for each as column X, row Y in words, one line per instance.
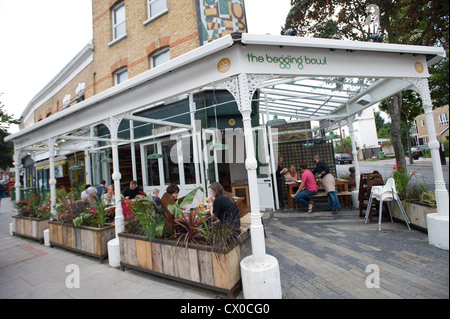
column 91, row 241
column 196, row 264
column 416, row 212
column 29, row 227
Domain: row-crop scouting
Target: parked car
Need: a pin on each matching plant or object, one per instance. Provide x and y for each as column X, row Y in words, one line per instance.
column 342, row 158
column 417, row 151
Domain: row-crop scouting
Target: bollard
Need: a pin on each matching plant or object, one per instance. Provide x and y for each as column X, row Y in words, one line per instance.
column 47, row 237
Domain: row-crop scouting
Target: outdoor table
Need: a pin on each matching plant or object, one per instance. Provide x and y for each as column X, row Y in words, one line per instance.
column 341, row 185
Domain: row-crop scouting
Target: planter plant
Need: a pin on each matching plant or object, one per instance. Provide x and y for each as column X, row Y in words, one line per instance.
column 81, row 227
column 32, row 217
column 417, row 201
column 198, row 252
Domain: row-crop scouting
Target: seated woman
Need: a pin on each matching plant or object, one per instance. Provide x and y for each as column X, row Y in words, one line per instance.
column 295, row 176
column 91, row 193
column 223, row 206
column 108, row 196
column 170, row 197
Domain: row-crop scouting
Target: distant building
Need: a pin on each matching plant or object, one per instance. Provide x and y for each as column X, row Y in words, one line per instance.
column 419, row 129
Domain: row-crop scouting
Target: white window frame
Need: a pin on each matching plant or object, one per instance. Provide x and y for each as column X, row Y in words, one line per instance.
column 116, row 24
column 156, row 54
column 118, row 74
column 442, row 119
column 156, row 15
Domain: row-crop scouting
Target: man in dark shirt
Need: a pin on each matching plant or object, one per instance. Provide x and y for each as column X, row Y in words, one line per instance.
column 133, row 191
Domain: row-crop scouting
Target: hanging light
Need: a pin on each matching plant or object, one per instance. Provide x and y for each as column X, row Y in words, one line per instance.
column 331, row 136
column 107, row 159
column 155, row 154
column 276, row 121
column 308, row 144
column 218, row 146
column 76, row 166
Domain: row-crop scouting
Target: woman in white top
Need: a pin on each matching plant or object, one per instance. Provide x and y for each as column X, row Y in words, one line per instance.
column 108, row 197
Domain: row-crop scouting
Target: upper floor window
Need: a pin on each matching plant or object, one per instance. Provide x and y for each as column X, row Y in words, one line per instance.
column 443, row 119
column 155, row 9
column 160, row 57
column 118, row 21
column 120, row 76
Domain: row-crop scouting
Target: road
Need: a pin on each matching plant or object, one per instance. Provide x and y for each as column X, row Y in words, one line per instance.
column 423, row 167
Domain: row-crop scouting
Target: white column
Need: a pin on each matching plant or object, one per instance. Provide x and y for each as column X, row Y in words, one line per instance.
column 17, row 167
column 260, row 272
column 113, row 245
column 438, row 224
column 113, row 126
column 355, row 193
column 52, row 181
column 88, row 167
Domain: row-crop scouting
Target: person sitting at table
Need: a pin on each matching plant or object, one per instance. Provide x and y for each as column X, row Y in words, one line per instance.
column 170, row 197
column 108, row 197
column 222, row 206
column 307, row 188
column 295, row 176
column 132, row 191
column 323, row 171
column 91, row 193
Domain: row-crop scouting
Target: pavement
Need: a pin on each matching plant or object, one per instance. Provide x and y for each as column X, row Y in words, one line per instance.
column 321, row 256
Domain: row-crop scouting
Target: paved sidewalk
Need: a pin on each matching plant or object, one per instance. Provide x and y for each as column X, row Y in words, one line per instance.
column 29, row 270
column 325, row 256
column 321, row 256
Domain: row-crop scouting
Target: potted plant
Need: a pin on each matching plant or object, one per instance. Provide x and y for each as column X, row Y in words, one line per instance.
column 32, row 217
column 81, row 227
column 417, row 201
column 198, row 252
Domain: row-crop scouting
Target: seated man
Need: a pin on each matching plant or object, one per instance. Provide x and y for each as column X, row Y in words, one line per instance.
column 133, row 191
column 307, row 188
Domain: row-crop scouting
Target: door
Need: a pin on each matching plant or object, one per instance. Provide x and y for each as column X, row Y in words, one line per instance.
column 265, row 185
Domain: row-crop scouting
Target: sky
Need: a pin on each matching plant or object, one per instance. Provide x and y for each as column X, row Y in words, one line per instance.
column 39, row 38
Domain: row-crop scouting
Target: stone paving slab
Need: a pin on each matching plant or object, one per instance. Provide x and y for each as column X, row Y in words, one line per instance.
column 325, row 256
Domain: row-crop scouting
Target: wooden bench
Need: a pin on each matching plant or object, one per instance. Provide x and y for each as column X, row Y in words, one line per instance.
column 343, row 196
column 343, row 193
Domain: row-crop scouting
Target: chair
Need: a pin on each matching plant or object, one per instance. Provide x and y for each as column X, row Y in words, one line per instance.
column 388, row 193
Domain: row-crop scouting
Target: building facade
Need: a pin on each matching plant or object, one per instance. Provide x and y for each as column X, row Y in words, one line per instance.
column 129, row 38
column 440, row 117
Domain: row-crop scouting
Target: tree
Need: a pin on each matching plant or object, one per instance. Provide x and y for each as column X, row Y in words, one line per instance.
column 6, row 148
column 417, row 22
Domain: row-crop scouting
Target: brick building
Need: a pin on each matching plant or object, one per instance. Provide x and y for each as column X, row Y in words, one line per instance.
column 129, row 38
column 440, row 116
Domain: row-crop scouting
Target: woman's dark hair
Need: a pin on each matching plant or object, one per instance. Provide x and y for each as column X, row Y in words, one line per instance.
column 218, row 189
column 172, row 188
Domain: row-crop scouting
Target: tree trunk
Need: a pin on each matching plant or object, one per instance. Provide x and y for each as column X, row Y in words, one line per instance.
column 395, row 104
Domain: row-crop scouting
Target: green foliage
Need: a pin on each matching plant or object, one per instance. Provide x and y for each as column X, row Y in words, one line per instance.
column 176, row 209
column 152, row 223
column 402, row 178
column 37, row 206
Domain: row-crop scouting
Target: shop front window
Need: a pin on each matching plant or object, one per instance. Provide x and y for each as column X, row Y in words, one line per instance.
column 152, row 168
column 170, row 162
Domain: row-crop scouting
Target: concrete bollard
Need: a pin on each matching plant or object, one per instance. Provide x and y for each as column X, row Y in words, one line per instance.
column 261, row 281
column 47, row 237
column 114, row 252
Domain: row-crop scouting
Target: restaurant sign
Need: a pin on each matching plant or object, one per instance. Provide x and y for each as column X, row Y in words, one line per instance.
column 325, row 62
